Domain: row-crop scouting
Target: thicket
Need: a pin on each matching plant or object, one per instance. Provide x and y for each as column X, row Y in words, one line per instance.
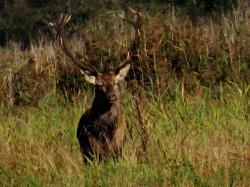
column 172, row 48
column 191, row 126
column 25, row 21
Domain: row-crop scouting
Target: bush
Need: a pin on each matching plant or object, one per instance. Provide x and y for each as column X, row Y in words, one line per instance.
column 207, row 7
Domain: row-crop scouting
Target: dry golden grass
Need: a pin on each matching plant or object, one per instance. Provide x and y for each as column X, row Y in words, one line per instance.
column 192, row 128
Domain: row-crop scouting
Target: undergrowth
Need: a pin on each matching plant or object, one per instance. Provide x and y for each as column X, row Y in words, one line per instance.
column 191, row 141
column 189, row 127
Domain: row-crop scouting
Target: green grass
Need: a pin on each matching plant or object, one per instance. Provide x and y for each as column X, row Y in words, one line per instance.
column 192, row 130
column 190, row 141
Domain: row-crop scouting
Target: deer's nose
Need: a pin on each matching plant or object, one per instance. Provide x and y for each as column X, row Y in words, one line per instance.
column 112, row 97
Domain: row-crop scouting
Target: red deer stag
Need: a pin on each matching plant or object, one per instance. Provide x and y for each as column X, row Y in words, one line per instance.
column 101, row 128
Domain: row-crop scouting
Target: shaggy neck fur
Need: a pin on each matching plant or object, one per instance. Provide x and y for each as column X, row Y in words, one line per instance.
column 106, row 116
column 101, row 106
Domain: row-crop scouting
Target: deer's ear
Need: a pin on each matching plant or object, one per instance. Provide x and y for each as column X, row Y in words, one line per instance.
column 90, row 77
column 122, row 73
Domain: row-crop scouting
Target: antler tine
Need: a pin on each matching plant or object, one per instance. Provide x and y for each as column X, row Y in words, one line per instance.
column 123, row 64
column 51, row 24
column 67, row 18
column 132, row 10
column 127, row 20
column 59, row 27
column 136, row 24
column 60, row 19
column 137, row 13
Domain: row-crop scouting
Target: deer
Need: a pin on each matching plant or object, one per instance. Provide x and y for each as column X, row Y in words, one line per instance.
column 101, row 129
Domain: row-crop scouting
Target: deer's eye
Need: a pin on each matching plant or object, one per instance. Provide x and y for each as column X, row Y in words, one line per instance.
column 99, row 85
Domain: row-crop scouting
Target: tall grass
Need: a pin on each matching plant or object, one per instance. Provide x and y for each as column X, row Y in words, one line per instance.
column 190, row 129
column 191, row 141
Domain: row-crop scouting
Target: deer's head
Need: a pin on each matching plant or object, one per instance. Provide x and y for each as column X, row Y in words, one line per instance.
column 106, row 83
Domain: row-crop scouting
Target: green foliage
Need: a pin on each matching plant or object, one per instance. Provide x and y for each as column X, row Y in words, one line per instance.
column 26, row 21
column 206, row 6
column 195, row 111
column 208, row 146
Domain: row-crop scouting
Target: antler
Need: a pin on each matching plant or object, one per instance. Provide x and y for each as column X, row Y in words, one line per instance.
column 137, row 24
column 59, row 28
column 123, row 64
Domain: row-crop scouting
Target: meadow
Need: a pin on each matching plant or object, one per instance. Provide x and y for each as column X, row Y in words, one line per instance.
column 190, row 141
column 191, row 127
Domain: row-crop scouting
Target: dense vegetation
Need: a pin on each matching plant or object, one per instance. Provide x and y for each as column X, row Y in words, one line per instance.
column 188, row 119
column 25, row 21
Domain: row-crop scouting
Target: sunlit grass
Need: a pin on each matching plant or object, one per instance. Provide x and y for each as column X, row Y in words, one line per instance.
column 191, row 141
column 194, row 128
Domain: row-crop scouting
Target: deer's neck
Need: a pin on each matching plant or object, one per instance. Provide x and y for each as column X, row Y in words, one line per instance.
column 104, row 118
column 101, row 107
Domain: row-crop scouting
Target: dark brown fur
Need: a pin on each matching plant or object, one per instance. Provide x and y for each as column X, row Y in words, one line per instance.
column 101, row 128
